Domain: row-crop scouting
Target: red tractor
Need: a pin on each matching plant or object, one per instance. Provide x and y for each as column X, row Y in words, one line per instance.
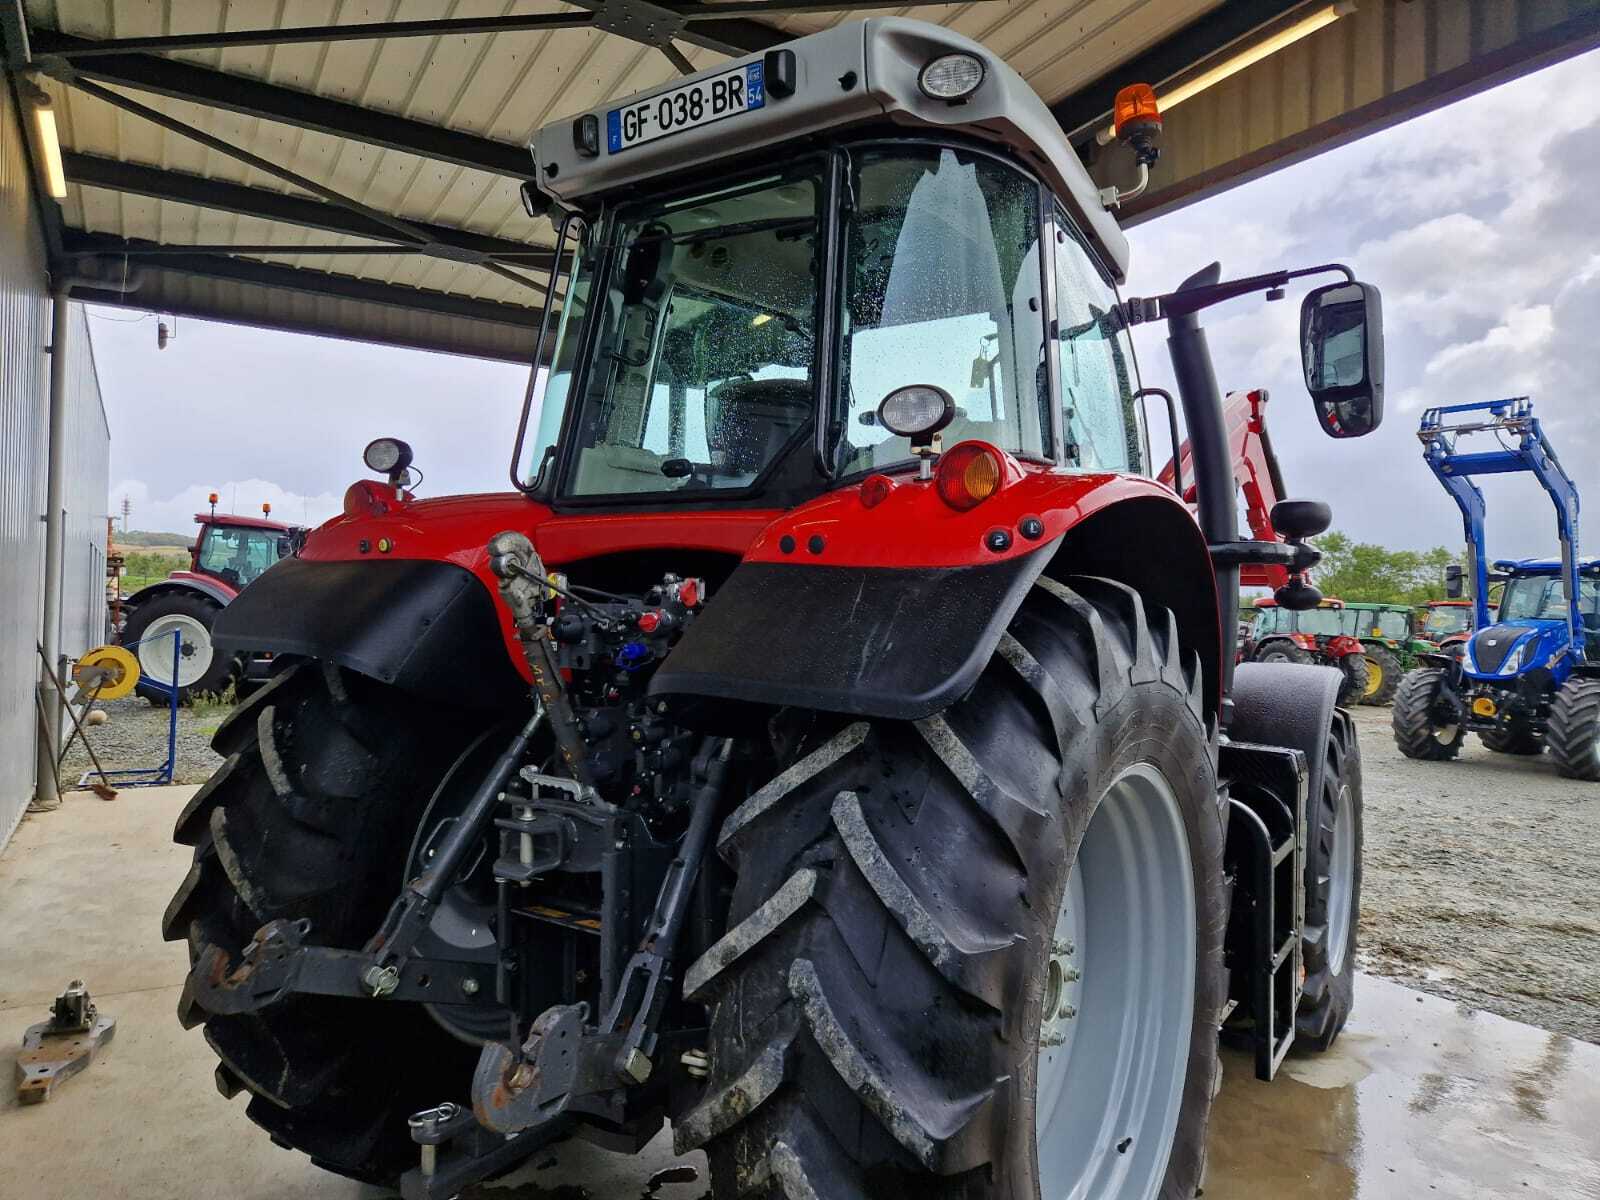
column 1316, row 635
column 831, row 746
column 229, row 552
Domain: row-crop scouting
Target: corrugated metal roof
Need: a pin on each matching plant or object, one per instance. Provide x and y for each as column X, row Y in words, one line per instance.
column 497, row 86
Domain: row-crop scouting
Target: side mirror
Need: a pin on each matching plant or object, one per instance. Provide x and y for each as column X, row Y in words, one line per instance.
column 1341, row 349
column 1455, row 581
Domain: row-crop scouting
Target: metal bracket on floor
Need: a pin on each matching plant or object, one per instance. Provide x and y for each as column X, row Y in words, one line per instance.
column 59, row 1048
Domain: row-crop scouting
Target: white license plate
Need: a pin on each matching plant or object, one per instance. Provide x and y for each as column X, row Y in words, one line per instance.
column 688, row 107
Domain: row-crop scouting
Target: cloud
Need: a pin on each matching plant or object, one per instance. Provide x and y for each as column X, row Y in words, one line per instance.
column 175, row 513
column 1477, row 223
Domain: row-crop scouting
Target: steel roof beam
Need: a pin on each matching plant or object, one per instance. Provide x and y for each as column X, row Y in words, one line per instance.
column 254, row 98
column 356, row 32
column 298, row 279
column 91, row 171
column 1190, row 46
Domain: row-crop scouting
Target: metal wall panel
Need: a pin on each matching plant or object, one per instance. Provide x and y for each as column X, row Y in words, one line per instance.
column 24, row 375
column 1389, row 60
column 83, row 562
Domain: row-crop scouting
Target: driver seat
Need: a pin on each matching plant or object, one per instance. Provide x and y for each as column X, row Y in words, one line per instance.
column 755, row 419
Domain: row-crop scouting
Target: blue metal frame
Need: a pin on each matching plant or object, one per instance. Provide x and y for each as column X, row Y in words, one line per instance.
column 1532, row 454
column 162, row 775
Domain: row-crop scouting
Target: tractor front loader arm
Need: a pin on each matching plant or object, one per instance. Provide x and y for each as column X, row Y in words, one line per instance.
column 1255, row 467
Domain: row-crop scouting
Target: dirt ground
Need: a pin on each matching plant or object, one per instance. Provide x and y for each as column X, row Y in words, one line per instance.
column 1482, row 876
column 1481, row 881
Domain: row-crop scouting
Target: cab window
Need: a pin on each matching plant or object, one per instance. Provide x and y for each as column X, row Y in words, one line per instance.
column 238, row 555
column 1100, row 420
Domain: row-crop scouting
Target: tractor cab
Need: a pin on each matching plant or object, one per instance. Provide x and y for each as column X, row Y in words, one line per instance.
column 235, row 550
column 1444, row 623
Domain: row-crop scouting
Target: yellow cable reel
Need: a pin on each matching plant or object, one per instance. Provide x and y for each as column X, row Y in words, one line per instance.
column 111, row 667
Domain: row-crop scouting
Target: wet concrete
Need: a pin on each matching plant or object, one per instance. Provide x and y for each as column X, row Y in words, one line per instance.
column 1421, row 1098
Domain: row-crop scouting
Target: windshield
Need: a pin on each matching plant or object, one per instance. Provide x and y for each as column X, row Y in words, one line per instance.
column 238, row 555
column 701, row 367
column 1321, row 621
column 1377, row 623
column 943, row 287
column 1545, row 597
column 1268, row 620
column 1446, row 620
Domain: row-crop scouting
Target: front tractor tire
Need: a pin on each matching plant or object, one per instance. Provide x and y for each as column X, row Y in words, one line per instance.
column 1383, row 675
column 1420, row 731
column 310, row 817
column 1573, row 729
column 202, row 669
column 979, row 954
column 1334, row 838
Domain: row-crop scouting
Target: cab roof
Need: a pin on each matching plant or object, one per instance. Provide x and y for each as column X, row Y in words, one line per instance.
column 246, row 522
column 853, row 74
column 1542, row 566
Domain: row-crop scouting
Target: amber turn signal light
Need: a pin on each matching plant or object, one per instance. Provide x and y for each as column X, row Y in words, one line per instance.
column 969, row 474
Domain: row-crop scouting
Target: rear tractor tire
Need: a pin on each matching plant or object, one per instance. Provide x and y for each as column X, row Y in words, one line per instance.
column 1354, row 686
column 1516, row 740
column 1573, row 730
column 1417, row 732
column 979, row 954
column 202, row 669
column 1383, row 676
column 311, row 817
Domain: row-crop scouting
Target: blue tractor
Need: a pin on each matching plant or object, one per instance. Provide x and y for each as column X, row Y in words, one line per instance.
column 1529, row 679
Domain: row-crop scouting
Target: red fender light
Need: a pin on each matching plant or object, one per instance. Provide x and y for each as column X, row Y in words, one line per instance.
column 969, row 474
column 366, row 498
column 875, row 490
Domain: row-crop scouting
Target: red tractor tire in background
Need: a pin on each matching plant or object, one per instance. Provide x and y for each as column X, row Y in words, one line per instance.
column 201, row 669
column 1283, row 650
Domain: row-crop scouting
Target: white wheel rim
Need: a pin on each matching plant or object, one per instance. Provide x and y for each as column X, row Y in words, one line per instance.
column 194, row 649
column 1114, row 1052
column 1445, row 734
column 1341, row 877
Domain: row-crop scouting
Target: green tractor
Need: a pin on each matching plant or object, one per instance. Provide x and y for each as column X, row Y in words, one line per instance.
column 1384, row 631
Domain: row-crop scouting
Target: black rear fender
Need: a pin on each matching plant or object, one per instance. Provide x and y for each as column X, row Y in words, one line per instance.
column 905, row 643
column 429, row 628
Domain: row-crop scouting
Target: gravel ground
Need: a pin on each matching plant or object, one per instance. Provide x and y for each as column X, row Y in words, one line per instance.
column 1481, row 881
column 136, row 736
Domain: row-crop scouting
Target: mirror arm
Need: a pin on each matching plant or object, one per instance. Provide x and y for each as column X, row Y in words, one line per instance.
column 1188, row 300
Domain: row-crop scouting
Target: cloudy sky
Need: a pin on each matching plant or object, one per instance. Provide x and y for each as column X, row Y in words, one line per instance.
column 1477, row 222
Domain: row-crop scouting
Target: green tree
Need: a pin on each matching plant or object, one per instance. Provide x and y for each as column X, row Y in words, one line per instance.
column 1365, row 571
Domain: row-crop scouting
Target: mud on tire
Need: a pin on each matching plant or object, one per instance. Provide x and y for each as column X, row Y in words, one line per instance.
column 876, row 1002
column 310, row 817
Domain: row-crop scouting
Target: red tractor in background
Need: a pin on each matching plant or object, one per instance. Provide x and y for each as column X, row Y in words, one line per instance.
column 1316, row 635
column 229, row 552
column 833, row 746
column 1446, row 626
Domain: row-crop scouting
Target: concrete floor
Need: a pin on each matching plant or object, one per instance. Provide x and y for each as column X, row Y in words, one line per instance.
column 1422, row 1097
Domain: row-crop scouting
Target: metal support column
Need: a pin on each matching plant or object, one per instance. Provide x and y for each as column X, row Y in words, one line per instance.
column 54, row 541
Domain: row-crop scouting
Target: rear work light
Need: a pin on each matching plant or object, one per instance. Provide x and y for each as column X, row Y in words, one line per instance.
column 969, row 474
